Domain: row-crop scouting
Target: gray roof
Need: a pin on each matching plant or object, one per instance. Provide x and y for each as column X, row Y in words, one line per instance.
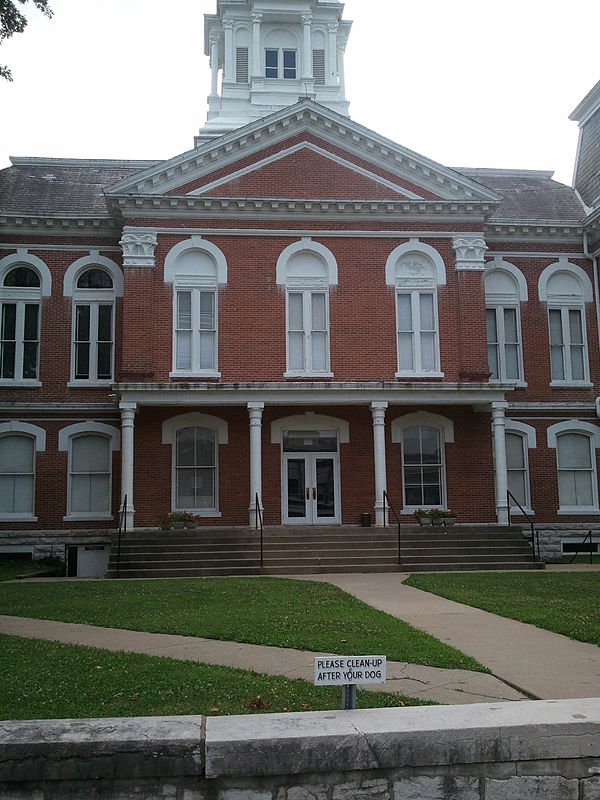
column 54, row 186
column 72, row 186
column 529, row 195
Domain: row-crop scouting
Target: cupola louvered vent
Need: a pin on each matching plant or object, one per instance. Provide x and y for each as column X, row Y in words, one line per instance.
column 241, row 64
column 319, row 67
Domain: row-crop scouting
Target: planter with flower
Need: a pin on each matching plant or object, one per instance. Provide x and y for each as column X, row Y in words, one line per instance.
column 421, row 515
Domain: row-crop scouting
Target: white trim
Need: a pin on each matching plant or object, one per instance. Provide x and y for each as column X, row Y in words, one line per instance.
column 573, row 426
column 307, row 244
column 528, row 431
column 113, row 433
column 23, row 257
column 15, row 426
column 195, row 420
column 309, row 422
column 195, row 242
column 415, row 246
column 94, row 259
column 500, row 264
column 296, row 148
column 563, row 265
column 422, row 418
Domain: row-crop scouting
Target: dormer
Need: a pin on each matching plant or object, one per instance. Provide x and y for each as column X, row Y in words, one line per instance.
column 267, row 54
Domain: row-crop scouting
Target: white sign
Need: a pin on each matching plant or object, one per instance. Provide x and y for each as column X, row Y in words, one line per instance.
column 343, row 670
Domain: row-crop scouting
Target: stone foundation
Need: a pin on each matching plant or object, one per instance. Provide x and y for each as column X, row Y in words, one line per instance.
column 49, row 544
column 551, row 535
column 500, row 751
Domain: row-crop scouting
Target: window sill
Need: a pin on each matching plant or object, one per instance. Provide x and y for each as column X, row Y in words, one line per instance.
column 205, row 512
column 88, row 518
column 578, row 512
column 409, row 510
column 20, row 384
column 17, row 518
column 412, row 374
column 516, row 512
column 308, row 374
column 88, row 384
column 516, row 384
column 207, row 374
column 571, row 385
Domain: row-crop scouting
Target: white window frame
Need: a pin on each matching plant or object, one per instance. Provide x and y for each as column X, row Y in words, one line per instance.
column 22, row 296
column 280, row 63
column 403, row 288
column 592, row 433
column 94, row 298
column 527, row 434
column 498, row 302
column 66, row 436
column 569, row 301
column 195, row 287
column 307, row 291
column 170, row 428
column 38, row 435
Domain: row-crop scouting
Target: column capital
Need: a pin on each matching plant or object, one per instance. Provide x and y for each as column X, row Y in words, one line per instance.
column 228, row 23
column 306, row 19
column 470, row 252
column 126, row 405
column 378, row 411
column 499, row 408
column 215, row 38
column 138, row 249
column 256, row 17
column 332, row 27
column 255, row 405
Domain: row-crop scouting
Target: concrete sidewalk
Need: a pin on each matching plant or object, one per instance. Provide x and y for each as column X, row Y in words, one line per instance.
column 542, row 664
column 452, row 686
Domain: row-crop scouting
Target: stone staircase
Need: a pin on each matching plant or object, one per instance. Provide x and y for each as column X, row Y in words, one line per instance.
column 296, row 551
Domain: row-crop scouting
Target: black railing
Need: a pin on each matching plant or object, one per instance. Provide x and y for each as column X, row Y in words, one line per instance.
column 534, row 537
column 122, row 530
column 258, row 521
column 387, row 504
column 576, row 553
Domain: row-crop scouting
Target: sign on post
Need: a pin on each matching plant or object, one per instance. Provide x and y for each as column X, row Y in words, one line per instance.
column 347, row 671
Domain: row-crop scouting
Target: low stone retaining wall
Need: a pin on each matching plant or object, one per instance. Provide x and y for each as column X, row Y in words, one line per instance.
column 49, row 544
column 500, row 751
column 551, row 536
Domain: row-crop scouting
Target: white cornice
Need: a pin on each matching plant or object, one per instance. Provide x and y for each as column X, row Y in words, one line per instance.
column 104, row 163
column 305, row 116
column 69, row 224
column 588, row 106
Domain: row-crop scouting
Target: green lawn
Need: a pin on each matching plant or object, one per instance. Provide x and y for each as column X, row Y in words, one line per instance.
column 46, row 680
column 566, row 602
column 282, row 613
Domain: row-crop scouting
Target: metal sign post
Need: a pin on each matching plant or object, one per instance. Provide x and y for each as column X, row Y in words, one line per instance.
column 347, row 672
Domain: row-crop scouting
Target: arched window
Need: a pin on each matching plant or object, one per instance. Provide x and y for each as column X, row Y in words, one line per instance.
column 89, row 487
column 415, row 269
column 195, row 440
column 24, row 279
column 576, row 443
column 195, row 267
column 19, row 442
column 566, row 288
column 505, row 287
column 94, row 282
column 520, row 438
column 307, row 269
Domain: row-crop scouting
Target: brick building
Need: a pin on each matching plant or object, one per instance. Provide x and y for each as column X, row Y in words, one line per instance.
column 298, row 310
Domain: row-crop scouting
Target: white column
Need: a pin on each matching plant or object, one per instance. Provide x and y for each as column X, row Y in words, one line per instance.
column 499, row 433
column 378, row 411
column 332, row 53
column 127, row 422
column 255, row 411
column 214, row 63
column 256, row 17
column 341, row 70
column 228, row 64
column 307, row 49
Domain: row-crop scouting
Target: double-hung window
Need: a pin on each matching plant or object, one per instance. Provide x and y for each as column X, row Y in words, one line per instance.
column 505, row 289
column 577, row 485
column 517, row 470
column 423, row 467
column 17, row 476
column 308, row 332
column 195, row 330
column 416, row 321
column 20, row 302
column 196, row 470
column 568, row 350
column 280, row 63
column 92, row 360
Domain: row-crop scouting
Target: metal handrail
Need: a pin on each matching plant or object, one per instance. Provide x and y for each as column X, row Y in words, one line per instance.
column 589, row 536
column 535, row 536
column 258, row 519
column 122, row 529
column 387, row 504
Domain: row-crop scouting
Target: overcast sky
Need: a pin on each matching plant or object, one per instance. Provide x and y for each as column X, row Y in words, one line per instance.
column 479, row 83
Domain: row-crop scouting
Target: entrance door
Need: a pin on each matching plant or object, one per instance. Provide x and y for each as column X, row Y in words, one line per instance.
column 310, row 479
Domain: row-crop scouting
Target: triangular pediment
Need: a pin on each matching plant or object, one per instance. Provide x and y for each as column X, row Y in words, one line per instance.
column 305, row 132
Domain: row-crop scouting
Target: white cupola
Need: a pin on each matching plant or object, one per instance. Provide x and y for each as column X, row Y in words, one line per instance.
column 267, row 54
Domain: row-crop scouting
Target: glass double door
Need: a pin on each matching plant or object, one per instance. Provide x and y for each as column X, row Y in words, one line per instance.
column 311, row 484
column 310, row 478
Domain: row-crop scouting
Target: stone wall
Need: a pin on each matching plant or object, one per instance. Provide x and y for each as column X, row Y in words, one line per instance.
column 501, row 751
column 51, row 543
column 551, row 535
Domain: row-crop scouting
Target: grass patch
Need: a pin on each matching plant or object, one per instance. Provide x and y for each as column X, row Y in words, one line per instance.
column 582, row 558
column 565, row 602
column 277, row 612
column 58, row 681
